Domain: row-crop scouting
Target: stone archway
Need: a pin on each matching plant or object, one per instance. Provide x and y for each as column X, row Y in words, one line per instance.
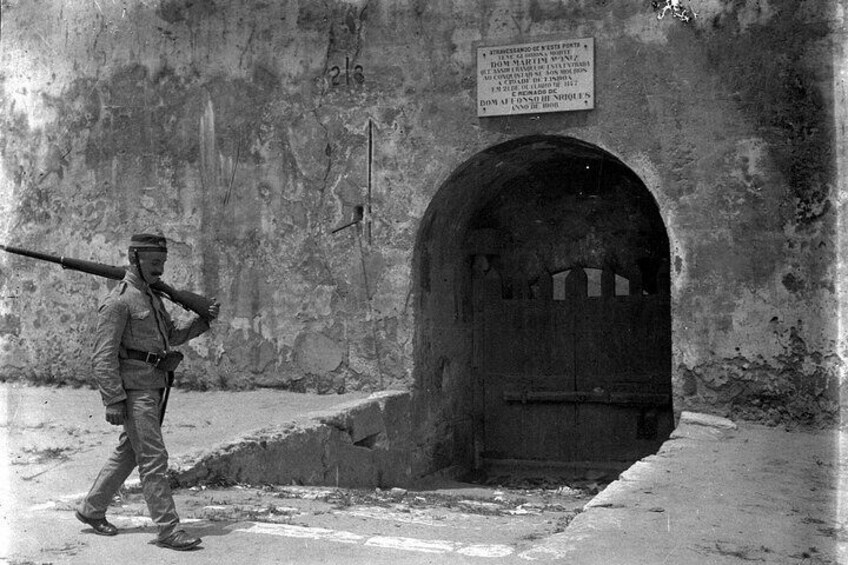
column 543, row 327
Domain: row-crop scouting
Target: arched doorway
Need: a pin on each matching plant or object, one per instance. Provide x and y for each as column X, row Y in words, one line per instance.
column 544, row 310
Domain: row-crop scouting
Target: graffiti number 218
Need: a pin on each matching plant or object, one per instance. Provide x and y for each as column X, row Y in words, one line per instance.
column 356, row 74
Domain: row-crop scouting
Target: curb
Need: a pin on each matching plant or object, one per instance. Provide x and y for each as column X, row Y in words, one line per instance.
column 364, row 443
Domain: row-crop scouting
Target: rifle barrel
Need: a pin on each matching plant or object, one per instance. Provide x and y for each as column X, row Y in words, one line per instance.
column 90, row 267
column 33, row 254
column 188, row 300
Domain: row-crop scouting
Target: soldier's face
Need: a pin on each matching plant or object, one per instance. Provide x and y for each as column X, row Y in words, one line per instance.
column 151, row 264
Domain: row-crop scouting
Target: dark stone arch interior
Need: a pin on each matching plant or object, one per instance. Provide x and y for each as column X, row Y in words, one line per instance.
column 533, row 205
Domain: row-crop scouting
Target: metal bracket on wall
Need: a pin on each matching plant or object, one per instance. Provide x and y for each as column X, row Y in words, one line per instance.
column 370, row 163
column 364, row 213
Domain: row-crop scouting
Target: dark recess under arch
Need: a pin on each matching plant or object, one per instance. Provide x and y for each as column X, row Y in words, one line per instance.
column 492, row 239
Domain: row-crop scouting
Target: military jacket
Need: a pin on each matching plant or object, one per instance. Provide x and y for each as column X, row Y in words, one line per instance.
column 132, row 316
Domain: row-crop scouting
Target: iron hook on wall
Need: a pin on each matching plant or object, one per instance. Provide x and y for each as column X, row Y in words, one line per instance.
column 357, row 217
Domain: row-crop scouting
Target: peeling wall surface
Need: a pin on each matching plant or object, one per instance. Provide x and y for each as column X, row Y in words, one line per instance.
column 248, row 132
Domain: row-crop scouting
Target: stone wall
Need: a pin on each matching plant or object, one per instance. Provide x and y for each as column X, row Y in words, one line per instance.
column 249, row 131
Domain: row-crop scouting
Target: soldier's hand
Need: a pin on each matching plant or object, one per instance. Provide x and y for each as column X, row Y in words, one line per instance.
column 214, row 309
column 116, row 413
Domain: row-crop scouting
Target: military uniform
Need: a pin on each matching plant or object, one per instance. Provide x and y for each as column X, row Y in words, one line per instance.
column 133, row 330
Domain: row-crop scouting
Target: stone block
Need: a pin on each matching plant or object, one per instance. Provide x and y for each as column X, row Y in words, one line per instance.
column 360, row 421
column 317, row 354
column 350, row 466
column 699, row 419
column 397, row 418
column 394, row 467
column 704, row 427
column 295, row 455
column 639, row 471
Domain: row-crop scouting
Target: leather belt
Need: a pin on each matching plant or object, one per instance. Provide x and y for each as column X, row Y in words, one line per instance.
column 147, row 357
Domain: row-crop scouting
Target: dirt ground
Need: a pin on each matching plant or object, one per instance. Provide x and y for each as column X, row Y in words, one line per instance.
column 56, row 438
column 712, row 495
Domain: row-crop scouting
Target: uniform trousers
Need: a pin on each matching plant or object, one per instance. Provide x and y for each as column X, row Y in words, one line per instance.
column 140, row 444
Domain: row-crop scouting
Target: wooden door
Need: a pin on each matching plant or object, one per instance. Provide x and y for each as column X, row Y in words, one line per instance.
column 574, row 375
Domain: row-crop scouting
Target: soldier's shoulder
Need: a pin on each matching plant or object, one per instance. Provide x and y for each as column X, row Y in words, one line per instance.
column 117, row 295
column 118, row 290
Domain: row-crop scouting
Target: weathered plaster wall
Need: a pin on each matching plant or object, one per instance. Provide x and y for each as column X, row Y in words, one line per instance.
column 241, row 129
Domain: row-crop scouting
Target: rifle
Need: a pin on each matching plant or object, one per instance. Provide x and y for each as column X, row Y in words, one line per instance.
column 188, row 300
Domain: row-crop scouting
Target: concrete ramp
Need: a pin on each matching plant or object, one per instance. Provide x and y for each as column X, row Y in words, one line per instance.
column 364, row 443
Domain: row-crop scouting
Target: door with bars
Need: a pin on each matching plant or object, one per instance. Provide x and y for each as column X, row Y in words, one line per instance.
column 575, row 367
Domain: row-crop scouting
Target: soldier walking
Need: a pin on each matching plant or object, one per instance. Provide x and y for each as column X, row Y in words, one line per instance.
column 133, row 366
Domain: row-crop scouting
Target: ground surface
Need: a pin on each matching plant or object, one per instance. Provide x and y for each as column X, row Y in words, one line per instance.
column 712, row 495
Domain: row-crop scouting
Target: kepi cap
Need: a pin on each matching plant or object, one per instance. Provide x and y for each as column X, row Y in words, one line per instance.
column 148, row 242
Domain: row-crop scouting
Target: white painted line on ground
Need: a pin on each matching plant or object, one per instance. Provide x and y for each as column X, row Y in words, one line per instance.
column 486, row 550
column 542, row 554
column 43, row 506
column 383, row 542
column 413, row 544
column 302, row 532
column 128, row 522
